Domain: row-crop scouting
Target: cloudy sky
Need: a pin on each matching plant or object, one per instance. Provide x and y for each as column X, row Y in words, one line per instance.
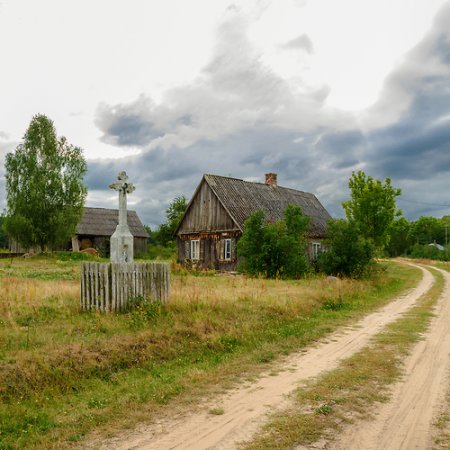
column 169, row 90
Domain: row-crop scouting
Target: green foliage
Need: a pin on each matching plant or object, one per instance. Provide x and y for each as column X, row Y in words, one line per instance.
column 143, row 311
column 428, row 252
column 427, row 230
column 349, row 253
column 372, row 208
column 3, row 235
column 160, row 252
column 413, row 238
column 164, row 236
column 399, row 237
column 45, row 193
column 275, row 249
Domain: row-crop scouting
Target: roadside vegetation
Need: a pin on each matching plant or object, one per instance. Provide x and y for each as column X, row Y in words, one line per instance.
column 349, row 393
column 64, row 373
column 427, row 237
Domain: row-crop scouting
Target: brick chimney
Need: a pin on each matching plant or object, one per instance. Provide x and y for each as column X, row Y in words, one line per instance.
column 271, row 179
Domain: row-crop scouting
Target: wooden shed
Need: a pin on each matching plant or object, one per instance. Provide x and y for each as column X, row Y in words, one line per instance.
column 214, row 219
column 98, row 224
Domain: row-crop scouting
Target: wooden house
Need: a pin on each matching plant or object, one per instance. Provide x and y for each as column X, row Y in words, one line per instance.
column 214, row 219
column 98, row 224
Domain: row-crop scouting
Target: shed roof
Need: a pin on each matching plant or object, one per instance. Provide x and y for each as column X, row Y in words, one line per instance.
column 103, row 222
column 241, row 198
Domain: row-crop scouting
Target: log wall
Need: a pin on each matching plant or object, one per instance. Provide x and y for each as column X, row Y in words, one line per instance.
column 107, row 287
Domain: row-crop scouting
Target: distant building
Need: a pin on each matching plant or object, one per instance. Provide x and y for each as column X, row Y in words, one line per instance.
column 98, row 224
column 214, row 219
column 94, row 230
column 438, row 246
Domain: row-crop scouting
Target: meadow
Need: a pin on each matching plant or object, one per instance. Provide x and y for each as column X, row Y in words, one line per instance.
column 65, row 373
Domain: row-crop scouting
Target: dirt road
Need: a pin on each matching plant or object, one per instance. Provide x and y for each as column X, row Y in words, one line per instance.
column 406, row 421
column 246, row 408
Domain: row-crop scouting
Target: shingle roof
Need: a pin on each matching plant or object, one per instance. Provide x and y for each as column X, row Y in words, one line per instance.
column 103, row 222
column 242, row 198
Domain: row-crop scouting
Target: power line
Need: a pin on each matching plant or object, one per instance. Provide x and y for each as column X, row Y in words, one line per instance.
column 422, row 203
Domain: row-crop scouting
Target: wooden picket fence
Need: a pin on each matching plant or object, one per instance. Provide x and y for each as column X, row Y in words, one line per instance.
column 108, row 286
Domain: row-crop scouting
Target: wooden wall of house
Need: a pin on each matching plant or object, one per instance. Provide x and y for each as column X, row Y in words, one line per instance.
column 212, row 252
column 102, row 244
column 206, row 214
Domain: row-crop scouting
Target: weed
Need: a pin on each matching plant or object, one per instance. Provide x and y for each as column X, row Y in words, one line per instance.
column 324, row 409
column 217, row 411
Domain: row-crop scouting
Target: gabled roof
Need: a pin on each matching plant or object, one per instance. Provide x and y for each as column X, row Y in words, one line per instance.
column 241, row 198
column 103, row 222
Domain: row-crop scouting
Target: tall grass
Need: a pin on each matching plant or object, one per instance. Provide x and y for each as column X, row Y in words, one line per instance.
column 63, row 372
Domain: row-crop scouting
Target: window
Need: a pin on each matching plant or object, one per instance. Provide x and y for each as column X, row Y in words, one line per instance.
column 227, row 249
column 316, row 247
column 195, row 249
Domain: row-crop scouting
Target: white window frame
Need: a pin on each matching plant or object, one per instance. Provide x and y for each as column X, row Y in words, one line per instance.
column 195, row 249
column 227, row 249
column 316, row 250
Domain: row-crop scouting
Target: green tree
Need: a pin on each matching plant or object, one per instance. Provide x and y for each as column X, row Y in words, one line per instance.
column 428, row 229
column 371, row 208
column 399, row 237
column 45, row 192
column 275, row 249
column 349, row 253
column 3, row 236
column 166, row 232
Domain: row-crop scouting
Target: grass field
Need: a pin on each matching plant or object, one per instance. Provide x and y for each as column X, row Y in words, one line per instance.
column 64, row 373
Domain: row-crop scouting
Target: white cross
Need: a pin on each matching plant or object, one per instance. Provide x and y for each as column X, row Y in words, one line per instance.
column 124, row 188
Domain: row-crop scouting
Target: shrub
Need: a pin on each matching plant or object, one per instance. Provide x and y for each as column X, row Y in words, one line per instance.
column 275, row 249
column 348, row 254
column 428, row 252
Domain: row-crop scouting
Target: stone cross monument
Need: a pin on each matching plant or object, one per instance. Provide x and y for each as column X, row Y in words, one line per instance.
column 122, row 239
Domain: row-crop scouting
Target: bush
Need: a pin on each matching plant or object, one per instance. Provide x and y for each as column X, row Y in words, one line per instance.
column 348, row 254
column 160, row 252
column 275, row 249
column 428, row 252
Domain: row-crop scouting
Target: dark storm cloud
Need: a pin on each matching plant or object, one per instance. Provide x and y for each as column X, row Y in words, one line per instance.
column 240, row 119
column 128, row 125
column 414, row 150
column 417, row 146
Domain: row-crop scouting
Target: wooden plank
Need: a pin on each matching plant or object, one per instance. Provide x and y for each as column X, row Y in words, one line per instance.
column 101, row 287
column 88, row 287
column 107, row 281
column 113, row 288
column 96, row 284
column 83, row 284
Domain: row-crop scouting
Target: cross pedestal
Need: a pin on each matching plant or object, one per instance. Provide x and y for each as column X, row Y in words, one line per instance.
column 121, row 243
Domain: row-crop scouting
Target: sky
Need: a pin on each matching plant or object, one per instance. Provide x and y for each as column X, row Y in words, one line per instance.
column 167, row 91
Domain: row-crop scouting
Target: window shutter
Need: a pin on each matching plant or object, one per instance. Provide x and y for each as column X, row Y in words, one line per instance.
column 202, row 243
column 233, row 249
column 222, row 249
column 187, row 250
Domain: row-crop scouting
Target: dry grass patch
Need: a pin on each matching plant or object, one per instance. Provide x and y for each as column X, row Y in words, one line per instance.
column 64, row 373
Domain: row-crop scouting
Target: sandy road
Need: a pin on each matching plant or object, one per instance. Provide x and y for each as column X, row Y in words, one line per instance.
column 246, row 408
column 406, row 421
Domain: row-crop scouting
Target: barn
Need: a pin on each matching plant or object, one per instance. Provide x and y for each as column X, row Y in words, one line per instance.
column 98, row 224
column 214, row 219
